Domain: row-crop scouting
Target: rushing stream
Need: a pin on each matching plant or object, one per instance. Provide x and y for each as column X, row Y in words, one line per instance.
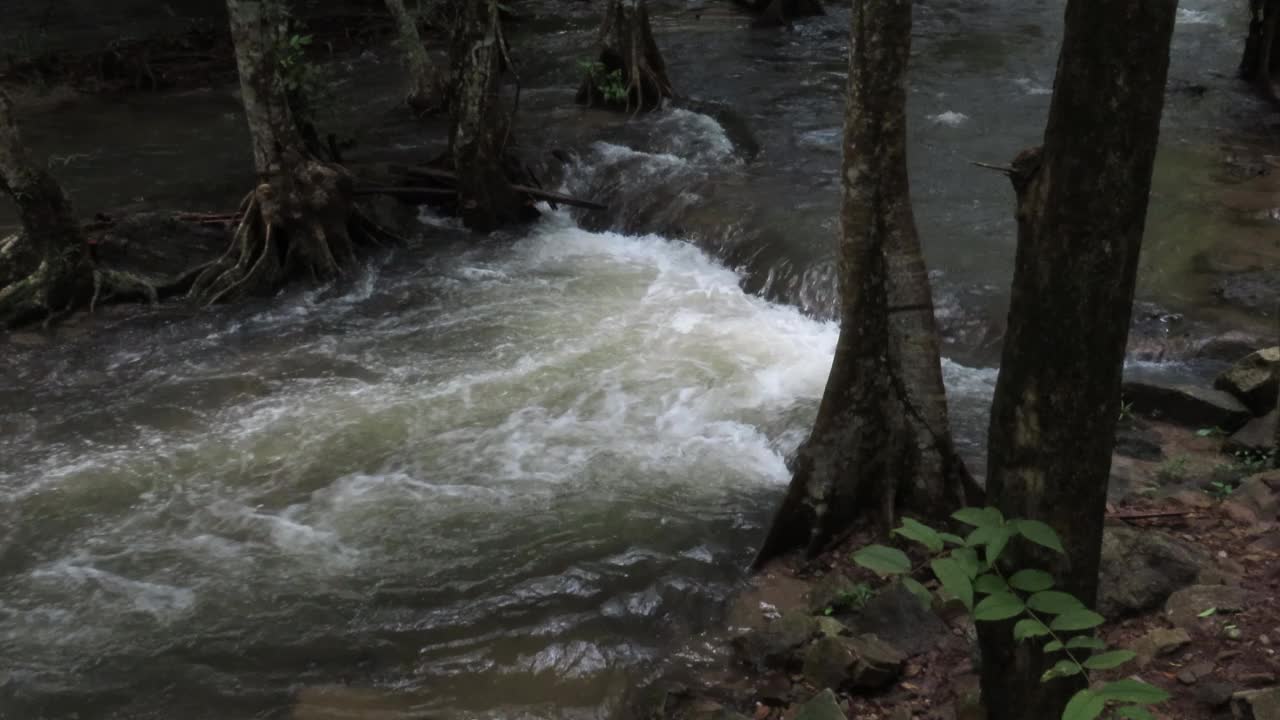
column 492, row 478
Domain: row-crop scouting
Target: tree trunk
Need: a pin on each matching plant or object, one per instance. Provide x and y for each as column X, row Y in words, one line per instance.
column 1082, row 204
column 426, row 87
column 479, row 134
column 877, row 447
column 299, row 222
column 46, row 269
column 630, row 73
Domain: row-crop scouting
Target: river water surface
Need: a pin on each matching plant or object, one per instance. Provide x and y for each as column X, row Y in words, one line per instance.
column 496, row 478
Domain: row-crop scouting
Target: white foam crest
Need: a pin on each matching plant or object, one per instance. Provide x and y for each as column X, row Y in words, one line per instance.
column 1191, row 16
column 114, row 593
column 950, row 118
column 695, row 136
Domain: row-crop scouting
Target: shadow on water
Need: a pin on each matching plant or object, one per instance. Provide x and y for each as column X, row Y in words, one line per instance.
column 499, row 478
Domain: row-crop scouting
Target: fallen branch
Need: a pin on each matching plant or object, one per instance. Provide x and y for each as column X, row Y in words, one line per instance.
column 452, row 177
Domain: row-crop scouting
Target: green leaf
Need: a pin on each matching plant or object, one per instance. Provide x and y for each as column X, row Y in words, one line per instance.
column 1207, row 613
column 921, row 533
column 920, row 591
column 1032, row 581
column 1108, row 660
column 953, row 539
column 968, row 560
column 979, row 517
column 954, row 580
column 883, row 560
column 1088, row 642
column 1077, row 620
column 1053, row 646
column 1040, row 534
column 990, row 584
column 996, row 545
column 1134, row 691
column 1084, row 705
column 1134, row 712
column 1000, row 606
column 1054, row 602
column 1062, row 668
column 1029, row 628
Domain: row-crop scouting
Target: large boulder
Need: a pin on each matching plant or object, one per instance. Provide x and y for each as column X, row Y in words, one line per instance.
column 1258, row 435
column 1256, row 704
column 1253, row 380
column 900, row 619
column 1187, row 405
column 1141, row 568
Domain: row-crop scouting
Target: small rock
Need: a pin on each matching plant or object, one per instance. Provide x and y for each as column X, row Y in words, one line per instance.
column 1256, row 704
column 1183, row 607
column 822, row 706
column 776, row 644
column 1214, row 694
column 831, row 626
column 1258, row 435
column 1160, row 642
column 827, row 662
column 837, row 592
column 1264, row 640
column 1186, row 405
column 774, row 689
column 1192, row 499
column 1252, row 380
column 1257, row 492
column 1257, row 679
column 1195, row 672
column 877, row 663
column 1141, row 567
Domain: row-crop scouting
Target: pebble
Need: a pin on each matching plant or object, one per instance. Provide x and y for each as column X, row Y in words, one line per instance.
column 1264, row 639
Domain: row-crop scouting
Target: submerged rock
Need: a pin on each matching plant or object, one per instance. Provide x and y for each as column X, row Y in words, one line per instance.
column 1141, row 568
column 1253, row 380
column 1186, row 405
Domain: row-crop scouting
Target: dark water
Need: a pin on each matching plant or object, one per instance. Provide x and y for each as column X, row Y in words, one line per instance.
column 499, row 478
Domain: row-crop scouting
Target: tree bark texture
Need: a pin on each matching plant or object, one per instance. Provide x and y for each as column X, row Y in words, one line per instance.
column 1259, row 62
column 299, row 222
column 629, row 58
column 426, row 86
column 1082, row 204
column 479, row 133
column 777, row 13
column 46, row 269
column 877, row 446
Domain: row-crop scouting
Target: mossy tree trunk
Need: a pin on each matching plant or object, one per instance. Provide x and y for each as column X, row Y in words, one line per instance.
column 426, row 84
column 629, row 73
column 1082, row 203
column 881, row 443
column 480, row 130
column 299, row 222
column 46, row 269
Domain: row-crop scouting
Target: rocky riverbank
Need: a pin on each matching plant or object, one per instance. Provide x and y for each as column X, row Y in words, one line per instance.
column 1190, row 580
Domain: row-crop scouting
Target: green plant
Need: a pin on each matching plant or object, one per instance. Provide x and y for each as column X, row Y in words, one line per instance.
column 856, row 597
column 1126, row 411
column 1210, row 432
column 1220, row 490
column 1172, row 470
column 608, row 82
column 970, row 567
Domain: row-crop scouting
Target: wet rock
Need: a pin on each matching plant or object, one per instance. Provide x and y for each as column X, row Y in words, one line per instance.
column 1260, row 492
column 776, row 644
column 1230, row 346
column 1256, row 704
column 1258, row 435
column 1214, row 694
column 1183, row 608
column 1255, row 290
column 876, row 662
column 900, row 619
column 822, row 706
column 831, row 627
column 1187, row 405
column 1141, row 568
column 1253, row 380
column 1158, row 643
column 837, row 593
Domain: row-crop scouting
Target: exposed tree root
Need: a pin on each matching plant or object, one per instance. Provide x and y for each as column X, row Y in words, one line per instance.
column 631, row 74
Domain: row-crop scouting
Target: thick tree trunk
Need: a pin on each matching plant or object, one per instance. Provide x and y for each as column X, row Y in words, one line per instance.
column 426, row 86
column 1082, row 203
column 299, row 222
column 479, row 134
column 877, row 446
column 630, row 73
column 46, row 269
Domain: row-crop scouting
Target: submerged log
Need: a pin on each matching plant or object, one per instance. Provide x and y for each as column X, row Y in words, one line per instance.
column 451, row 178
